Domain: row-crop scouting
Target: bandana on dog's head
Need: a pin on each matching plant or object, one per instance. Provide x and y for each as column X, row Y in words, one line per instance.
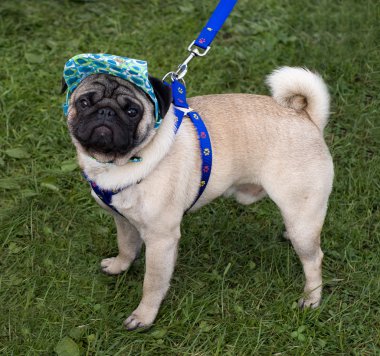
column 132, row 70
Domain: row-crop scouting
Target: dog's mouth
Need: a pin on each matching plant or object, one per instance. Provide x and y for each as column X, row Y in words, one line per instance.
column 95, row 136
column 100, row 138
column 102, row 134
column 106, row 137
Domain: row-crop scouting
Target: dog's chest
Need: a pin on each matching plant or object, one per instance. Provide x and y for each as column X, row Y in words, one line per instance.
column 136, row 203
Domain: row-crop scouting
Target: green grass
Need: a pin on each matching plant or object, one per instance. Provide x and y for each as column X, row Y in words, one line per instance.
column 236, row 283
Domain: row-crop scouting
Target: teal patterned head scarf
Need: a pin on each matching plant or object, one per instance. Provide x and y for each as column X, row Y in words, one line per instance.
column 132, row 70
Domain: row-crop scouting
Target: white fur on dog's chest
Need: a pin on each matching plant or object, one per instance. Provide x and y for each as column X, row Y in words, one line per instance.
column 133, row 204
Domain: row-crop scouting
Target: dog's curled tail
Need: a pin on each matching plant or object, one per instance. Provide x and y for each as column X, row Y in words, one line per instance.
column 301, row 89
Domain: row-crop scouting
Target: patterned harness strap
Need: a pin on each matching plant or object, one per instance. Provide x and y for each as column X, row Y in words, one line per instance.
column 182, row 108
column 103, row 194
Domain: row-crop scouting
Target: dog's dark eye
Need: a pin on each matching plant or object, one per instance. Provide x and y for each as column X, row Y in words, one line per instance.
column 132, row 112
column 84, row 103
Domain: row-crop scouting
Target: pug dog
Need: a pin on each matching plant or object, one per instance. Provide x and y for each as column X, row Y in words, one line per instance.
column 262, row 146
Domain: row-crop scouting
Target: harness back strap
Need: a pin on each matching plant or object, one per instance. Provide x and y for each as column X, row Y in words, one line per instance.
column 181, row 108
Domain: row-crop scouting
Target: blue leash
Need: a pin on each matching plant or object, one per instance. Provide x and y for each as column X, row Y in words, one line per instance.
column 207, row 35
column 215, row 23
column 181, row 108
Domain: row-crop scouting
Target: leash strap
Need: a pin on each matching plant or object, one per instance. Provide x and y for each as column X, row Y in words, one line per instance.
column 215, row 23
column 201, row 45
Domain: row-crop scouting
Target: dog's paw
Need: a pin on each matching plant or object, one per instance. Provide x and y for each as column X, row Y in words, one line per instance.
column 115, row 265
column 137, row 321
column 309, row 303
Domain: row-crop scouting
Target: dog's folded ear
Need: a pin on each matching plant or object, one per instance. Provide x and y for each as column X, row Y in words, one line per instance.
column 163, row 93
column 64, row 86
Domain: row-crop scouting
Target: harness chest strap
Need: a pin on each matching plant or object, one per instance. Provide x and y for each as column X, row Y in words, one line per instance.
column 103, row 194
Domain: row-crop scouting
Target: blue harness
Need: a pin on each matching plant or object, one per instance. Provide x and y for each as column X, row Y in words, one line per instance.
column 181, row 107
column 180, row 103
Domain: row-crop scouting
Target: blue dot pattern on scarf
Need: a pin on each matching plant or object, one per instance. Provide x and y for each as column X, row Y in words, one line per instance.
column 132, row 70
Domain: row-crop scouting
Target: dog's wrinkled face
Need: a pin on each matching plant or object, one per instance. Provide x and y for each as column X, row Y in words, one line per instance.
column 109, row 116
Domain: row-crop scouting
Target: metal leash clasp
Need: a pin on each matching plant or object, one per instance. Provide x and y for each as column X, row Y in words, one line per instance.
column 182, row 68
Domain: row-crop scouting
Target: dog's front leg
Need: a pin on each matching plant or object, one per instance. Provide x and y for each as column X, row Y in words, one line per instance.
column 129, row 243
column 161, row 253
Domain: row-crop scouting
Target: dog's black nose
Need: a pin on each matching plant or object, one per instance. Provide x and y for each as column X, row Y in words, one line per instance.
column 105, row 113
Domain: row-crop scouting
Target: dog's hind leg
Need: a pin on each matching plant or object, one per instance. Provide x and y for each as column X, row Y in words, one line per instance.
column 129, row 243
column 303, row 230
column 303, row 207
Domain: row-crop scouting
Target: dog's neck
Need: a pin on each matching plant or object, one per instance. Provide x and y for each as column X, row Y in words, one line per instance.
column 111, row 176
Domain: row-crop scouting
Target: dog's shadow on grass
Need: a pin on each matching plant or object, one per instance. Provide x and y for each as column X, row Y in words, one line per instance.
column 226, row 230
